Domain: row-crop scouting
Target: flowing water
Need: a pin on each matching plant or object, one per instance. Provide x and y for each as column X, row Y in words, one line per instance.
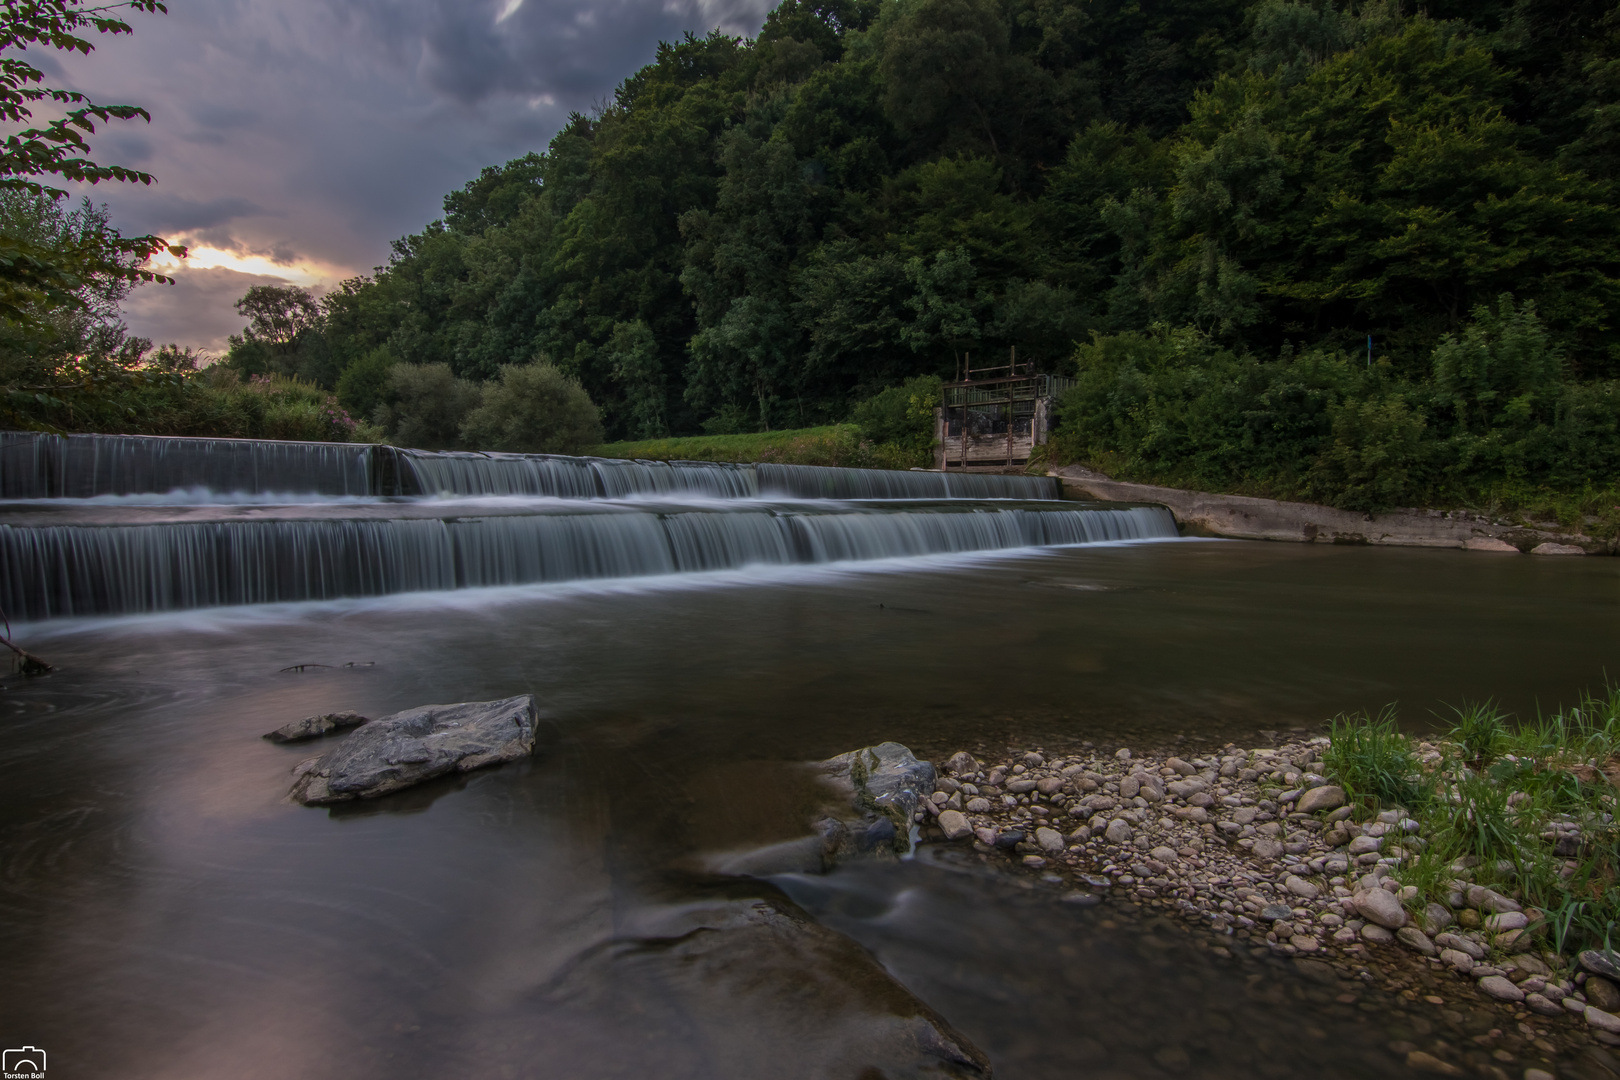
column 165, row 912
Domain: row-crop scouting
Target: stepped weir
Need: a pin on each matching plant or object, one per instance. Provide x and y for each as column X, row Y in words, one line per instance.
column 99, row 524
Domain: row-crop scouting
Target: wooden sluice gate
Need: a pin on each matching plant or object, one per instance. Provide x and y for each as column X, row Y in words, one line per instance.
column 992, row 419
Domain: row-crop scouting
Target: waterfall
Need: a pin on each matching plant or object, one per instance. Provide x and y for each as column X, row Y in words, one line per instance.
column 49, row 571
column 458, row 473
column 39, row 466
column 823, row 482
column 241, row 521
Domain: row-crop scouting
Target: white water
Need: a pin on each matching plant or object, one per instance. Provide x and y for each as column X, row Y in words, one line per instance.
column 84, row 530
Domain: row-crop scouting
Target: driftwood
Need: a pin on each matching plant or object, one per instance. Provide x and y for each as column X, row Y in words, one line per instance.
column 30, row 664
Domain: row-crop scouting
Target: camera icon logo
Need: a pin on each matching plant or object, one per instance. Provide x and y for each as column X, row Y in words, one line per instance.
column 24, row 1062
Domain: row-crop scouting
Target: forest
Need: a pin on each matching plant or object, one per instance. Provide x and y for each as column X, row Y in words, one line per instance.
column 1345, row 251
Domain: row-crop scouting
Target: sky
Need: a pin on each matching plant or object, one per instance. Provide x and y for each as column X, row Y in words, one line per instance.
column 292, row 140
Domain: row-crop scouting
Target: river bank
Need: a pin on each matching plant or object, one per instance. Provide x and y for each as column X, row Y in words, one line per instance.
column 1242, row 517
column 1267, row 851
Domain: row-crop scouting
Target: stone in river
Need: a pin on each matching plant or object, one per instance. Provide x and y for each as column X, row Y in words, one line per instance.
column 1602, row 993
column 1416, row 940
column 1603, row 1021
column 1537, row 1003
column 1119, row 832
column 1128, row 787
column 985, row 836
column 1436, row 917
column 397, row 751
column 1508, row 920
column 1601, row 962
column 1266, row 848
column 1010, row 838
column 1458, row 959
column 1423, row 1061
column 1273, row 912
column 1461, row 944
column 1050, row 840
column 978, row 805
column 1300, row 887
column 886, row 781
column 1365, row 845
column 313, row 726
column 1376, row 934
column 1164, row 854
column 955, row 825
column 1501, row 988
column 1320, row 798
column 962, row 762
column 1489, row 900
column 1381, row 906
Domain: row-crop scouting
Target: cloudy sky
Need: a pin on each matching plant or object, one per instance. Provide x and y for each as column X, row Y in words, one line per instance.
column 293, row 139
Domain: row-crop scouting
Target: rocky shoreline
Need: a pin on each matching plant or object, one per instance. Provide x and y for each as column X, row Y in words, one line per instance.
column 1256, row 846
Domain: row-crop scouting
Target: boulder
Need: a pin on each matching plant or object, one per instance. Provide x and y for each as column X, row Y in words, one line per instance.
column 1550, row 548
column 1050, row 840
column 397, row 751
column 961, row 763
column 1489, row 900
column 1380, row 906
column 884, row 784
column 1416, row 940
column 1118, row 832
column 1600, row 962
column 1329, row 797
column 955, row 825
column 311, row 727
column 756, row 978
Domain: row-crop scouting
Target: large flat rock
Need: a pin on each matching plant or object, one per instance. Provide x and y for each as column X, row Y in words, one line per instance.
column 394, row 752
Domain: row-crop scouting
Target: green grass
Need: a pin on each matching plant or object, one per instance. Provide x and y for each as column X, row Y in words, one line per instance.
column 835, row 444
column 1493, row 792
column 1373, row 762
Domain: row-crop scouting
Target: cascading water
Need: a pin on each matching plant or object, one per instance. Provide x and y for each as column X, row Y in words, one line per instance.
column 466, row 520
column 38, row 466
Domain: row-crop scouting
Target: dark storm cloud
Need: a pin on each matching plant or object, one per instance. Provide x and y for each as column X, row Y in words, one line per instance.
column 310, row 133
column 571, row 50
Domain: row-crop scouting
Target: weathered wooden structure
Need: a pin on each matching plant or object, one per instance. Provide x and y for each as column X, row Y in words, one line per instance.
column 991, row 419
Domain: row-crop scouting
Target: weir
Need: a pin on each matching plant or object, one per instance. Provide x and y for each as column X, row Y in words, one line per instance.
column 350, row 521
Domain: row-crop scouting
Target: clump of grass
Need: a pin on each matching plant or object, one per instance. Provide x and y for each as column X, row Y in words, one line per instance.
column 1479, row 731
column 1371, row 758
column 1503, row 792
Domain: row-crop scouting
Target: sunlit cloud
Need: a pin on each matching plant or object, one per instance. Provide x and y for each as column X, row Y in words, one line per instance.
column 202, row 257
column 508, row 10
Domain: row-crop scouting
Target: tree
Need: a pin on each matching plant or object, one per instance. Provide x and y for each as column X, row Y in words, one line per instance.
column 285, row 335
column 35, row 280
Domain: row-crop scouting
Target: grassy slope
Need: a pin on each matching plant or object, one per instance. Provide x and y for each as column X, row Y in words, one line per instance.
column 838, row 444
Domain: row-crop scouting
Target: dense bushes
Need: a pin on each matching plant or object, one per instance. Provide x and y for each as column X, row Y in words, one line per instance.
column 533, row 409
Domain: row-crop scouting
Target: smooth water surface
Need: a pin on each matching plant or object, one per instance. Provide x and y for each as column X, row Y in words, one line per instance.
column 163, row 912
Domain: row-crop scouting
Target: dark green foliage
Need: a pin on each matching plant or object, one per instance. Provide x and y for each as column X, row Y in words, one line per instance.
column 533, row 409
column 1223, row 199
column 902, row 415
column 425, row 405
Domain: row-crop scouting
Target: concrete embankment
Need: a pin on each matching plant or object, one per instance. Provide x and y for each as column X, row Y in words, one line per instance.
column 1243, row 517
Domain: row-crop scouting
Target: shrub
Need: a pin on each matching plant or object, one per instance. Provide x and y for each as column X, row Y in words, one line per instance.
column 425, row 405
column 903, row 414
column 364, row 384
column 535, row 409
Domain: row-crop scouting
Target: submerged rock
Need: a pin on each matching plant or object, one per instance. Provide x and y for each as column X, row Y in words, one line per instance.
column 741, row 988
column 397, row 751
column 311, row 727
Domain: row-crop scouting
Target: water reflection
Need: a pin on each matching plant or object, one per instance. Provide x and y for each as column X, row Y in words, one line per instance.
column 164, row 912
